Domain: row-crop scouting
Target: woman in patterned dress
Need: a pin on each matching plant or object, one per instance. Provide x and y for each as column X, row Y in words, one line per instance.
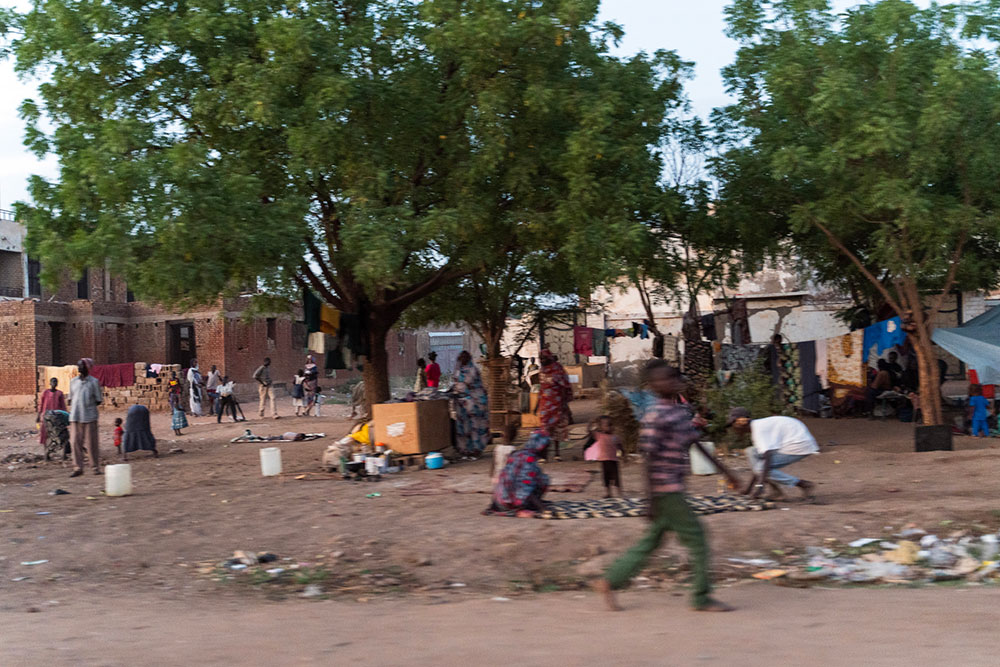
column 553, row 401
column 472, row 416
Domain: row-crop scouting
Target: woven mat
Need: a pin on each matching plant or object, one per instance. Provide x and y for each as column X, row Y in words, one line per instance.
column 560, row 482
column 615, row 508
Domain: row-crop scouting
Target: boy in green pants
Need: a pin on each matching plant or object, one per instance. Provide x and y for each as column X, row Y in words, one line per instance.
column 668, row 431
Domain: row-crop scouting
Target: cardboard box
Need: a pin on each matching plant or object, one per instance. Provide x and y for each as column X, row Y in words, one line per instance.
column 529, row 419
column 413, row 428
column 585, row 376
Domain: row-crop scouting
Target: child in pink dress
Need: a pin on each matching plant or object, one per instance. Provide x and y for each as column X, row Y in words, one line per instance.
column 605, row 449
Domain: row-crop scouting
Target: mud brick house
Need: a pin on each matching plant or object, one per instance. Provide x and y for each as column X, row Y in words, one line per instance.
column 98, row 317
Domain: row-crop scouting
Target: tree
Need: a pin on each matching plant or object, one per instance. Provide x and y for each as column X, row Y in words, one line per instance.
column 873, row 134
column 365, row 149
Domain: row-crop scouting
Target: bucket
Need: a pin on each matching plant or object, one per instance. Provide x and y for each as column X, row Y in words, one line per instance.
column 270, row 461
column 699, row 464
column 118, row 479
column 434, row 461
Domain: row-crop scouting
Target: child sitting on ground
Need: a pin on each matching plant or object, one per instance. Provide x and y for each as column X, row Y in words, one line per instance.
column 605, row 448
column 979, row 408
column 119, row 432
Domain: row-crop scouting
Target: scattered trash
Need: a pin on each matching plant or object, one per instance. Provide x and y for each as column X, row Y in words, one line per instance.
column 33, row 562
column 956, row 558
column 58, row 492
column 266, row 558
column 175, row 450
column 20, row 578
column 43, row 513
column 91, row 498
column 312, row 591
column 374, row 495
column 864, row 541
column 237, row 566
column 457, row 585
column 757, row 562
column 275, row 571
column 500, row 599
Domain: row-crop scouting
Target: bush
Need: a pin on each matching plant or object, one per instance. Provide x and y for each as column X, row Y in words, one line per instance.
column 751, row 389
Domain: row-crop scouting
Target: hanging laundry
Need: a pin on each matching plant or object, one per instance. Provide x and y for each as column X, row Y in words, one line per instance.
column 600, row 343
column 740, row 357
column 883, row 335
column 844, row 359
column 643, row 331
column 741, row 322
column 810, row 383
column 319, row 316
column 583, row 341
column 317, row 342
column 822, row 368
column 790, row 374
column 671, row 353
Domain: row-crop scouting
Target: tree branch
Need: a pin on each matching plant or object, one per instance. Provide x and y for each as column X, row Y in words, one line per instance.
column 318, row 285
column 952, row 271
column 838, row 244
column 414, row 293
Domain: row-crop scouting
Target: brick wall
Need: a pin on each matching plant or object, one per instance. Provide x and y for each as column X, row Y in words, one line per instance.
column 17, row 354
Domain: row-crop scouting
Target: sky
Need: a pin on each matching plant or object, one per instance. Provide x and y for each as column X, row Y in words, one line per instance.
column 693, row 28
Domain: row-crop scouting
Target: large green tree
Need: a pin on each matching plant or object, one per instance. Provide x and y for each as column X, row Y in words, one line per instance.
column 871, row 137
column 366, row 149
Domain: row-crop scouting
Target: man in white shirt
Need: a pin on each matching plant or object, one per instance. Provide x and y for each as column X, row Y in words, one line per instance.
column 777, row 442
column 212, row 388
column 226, row 399
column 84, row 398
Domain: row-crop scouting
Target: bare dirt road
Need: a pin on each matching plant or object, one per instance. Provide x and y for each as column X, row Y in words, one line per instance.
column 134, row 580
column 772, row 627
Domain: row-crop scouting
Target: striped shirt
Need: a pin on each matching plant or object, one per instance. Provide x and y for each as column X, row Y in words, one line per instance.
column 665, row 438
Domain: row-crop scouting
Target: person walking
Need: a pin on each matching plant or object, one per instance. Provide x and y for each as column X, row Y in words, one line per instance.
column 52, row 400
column 84, row 398
column 433, row 371
column 266, row 390
column 472, row 416
column 668, row 431
column 227, row 400
column 553, row 401
column 195, row 386
column 421, row 382
column 178, row 420
column 212, row 383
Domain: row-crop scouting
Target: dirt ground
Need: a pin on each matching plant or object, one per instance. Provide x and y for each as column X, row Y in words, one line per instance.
column 145, row 563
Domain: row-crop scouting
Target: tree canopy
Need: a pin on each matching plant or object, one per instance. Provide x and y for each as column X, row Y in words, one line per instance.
column 871, row 137
column 371, row 150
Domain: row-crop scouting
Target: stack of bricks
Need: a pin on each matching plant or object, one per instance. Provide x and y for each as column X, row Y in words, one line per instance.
column 151, row 392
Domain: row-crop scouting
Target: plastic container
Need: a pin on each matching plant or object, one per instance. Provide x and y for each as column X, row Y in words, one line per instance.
column 118, row 479
column 699, row 464
column 434, row 461
column 270, row 461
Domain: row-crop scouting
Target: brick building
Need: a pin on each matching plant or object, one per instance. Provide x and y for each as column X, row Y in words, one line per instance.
column 97, row 317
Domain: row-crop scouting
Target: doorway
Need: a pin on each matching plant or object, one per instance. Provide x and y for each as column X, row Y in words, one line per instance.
column 182, row 344
column 57, row 330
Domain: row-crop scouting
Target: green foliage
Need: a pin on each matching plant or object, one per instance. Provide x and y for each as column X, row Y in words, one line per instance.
column 869, row 139
column 375, row 150
column 752, row 389
column 878, row 125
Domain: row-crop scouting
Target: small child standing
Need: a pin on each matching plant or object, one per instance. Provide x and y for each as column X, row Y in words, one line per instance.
column 119, row 432
column 605, row 449
column 979, row 406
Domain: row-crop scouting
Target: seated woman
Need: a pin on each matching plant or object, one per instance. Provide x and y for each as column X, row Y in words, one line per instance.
column 138, row 434
column 522, row 483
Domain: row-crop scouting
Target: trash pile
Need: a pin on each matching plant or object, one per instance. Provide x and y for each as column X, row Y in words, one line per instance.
column 912, row 556
column 22, row 457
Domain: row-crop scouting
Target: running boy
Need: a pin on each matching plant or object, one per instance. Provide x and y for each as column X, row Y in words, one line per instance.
column 668, row 431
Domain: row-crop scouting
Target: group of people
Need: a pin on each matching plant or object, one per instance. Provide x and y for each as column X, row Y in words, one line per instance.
column 305, row 389
column 81, row 438
column 216, row 390
column 669, row 430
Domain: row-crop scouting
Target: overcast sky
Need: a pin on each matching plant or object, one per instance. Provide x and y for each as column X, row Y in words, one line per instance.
column 693, row 28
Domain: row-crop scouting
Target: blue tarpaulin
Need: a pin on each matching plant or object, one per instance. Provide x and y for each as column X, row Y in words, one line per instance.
column 976, row 343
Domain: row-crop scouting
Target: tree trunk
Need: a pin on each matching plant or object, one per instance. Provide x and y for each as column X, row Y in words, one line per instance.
column 930, row 377
column 493, row 339
column 376, row 368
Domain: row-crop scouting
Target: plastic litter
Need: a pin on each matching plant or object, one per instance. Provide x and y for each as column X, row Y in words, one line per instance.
column 43, row 513
column 58, row 492
column 33, row 562
column 863, row 542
